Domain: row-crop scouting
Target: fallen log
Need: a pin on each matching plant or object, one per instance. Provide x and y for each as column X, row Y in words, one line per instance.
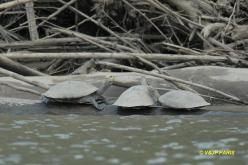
column 166, row 57
column 21, row 89
column 233, row 81
column 22, row 78
column 18, row 68
column 169, row 78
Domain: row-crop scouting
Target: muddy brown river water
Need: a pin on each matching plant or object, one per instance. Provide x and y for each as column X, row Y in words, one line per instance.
column 30, row 139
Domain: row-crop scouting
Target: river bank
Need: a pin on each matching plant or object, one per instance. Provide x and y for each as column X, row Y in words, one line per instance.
column 58, row 38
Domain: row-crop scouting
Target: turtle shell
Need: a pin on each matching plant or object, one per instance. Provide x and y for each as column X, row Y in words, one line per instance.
column 136, row 96
column 181, row 99
column 70, row 90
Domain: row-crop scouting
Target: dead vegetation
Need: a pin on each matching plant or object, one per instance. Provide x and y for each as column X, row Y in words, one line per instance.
column 61, row 37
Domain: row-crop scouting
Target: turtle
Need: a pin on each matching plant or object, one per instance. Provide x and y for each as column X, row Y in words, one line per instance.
column 76, row 92
column 135, row 97
column 182, row 99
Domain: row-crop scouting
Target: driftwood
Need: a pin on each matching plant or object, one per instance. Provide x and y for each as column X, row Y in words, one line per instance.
column 154, row 66
column 84, row 69
column 22, row 78
column 166, row 57
column 21, row 89
column 13, row 3
column 144, row 22
column 169, row 79
column 149, row 34
column 231, row 80
column 240, row 32
column 95, row 41
column 34, row 35
column 18, row 68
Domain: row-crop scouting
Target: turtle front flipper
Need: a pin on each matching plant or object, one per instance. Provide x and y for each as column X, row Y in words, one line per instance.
column 99, row 107
column 45, row 99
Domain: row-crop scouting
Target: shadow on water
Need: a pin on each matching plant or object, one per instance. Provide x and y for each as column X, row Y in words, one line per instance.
column 32, row 107
column 78, row 109
column 152, row 111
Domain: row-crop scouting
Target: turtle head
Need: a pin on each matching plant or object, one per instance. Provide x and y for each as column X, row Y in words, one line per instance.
column 153, row 92
column 108, row 82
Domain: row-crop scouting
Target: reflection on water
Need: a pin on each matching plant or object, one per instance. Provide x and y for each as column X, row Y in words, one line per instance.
column 63, row 140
